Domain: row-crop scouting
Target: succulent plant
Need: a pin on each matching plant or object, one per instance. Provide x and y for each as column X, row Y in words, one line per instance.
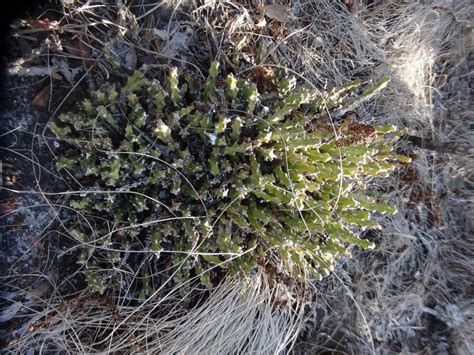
column 221, row 174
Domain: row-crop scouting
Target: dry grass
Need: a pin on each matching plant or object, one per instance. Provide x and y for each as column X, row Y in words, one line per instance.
column 413, row 290
column 244, row 317
column 410, row 294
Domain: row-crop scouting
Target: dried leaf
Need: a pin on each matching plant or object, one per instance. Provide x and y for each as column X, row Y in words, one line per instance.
column 45, row 24
column 31, row 71
column 131, row 58
column 275, row 28
column 438, row 217
column 78, row 48
column 41, row 98
column 264, row 76
column 261, row 22
column 172, row 42
column 350, row 4
column 276, row 12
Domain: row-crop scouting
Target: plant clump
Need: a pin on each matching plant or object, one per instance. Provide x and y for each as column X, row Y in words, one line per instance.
column 184, row 177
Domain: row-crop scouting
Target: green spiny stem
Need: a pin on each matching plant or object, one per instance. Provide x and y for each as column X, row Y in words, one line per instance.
column 266, row 182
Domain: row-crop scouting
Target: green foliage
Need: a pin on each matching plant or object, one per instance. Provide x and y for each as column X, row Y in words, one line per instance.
column 216, row 169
